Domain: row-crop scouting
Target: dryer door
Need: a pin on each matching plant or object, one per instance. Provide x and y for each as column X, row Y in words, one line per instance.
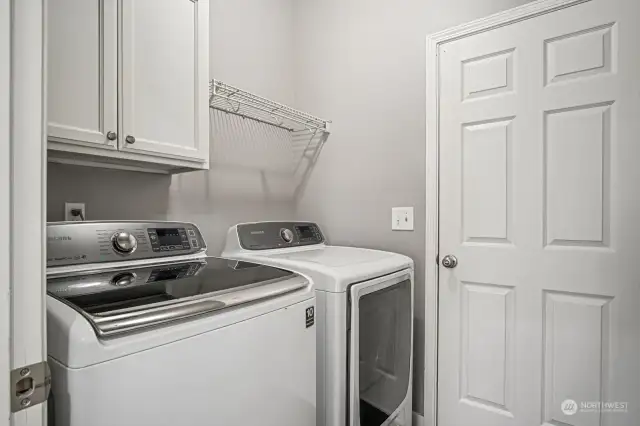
column 380, row 349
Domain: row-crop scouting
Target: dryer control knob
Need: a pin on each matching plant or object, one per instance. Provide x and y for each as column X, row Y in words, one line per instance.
column 124, row 242
column 286, row 235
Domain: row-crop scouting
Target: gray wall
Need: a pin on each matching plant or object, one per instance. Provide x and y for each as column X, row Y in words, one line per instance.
column 362, row 64
column 251, row 47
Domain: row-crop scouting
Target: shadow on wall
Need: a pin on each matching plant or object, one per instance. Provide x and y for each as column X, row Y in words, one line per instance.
column 254, row 172
column 282, row 159
column 250, row 159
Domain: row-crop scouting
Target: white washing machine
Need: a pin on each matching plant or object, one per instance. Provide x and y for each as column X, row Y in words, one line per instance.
column 145, row 330
column 364, row 319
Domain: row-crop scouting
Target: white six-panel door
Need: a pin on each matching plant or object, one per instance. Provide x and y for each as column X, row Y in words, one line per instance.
column 539, row 146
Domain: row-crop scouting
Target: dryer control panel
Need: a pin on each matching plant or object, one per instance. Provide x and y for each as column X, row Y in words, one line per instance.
column 273, row 235
column 77, row 243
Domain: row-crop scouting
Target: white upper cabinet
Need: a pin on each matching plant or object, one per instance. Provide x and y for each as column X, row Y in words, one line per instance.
column 128, row 83
column 82, row 72
column 164, row 78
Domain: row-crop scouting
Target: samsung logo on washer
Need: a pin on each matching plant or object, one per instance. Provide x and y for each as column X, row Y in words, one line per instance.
column 59, row 238
column 257, row 232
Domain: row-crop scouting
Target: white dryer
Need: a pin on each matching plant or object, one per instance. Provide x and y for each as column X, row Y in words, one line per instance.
column 364, row 318
column 145, row 330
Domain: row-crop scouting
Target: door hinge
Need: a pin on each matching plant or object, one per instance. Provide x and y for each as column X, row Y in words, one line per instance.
column 438, row 259
column 30, row 385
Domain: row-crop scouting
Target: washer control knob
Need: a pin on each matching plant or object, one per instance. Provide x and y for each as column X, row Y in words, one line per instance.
column 286, row 235
column 123, row 280
column 124, row 242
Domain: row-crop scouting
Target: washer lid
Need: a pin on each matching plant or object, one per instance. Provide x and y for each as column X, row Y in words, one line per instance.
column 123, row 300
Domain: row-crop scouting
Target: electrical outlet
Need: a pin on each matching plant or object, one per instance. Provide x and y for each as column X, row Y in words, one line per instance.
column 73, row 206
column 402, row 218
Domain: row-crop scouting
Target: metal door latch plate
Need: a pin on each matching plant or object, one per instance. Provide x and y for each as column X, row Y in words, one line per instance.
column 30, row 385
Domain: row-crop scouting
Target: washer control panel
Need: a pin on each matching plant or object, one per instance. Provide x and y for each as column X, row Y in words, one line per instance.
column 76, row 243
column 273, row 235
column 172, row 239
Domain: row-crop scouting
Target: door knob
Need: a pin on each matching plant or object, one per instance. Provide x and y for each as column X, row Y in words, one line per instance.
column 130, row 139
column 449, row 261
column 112, row 136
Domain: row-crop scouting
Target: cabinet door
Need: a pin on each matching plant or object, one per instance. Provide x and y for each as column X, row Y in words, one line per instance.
column 82, row 72
column 164, row 78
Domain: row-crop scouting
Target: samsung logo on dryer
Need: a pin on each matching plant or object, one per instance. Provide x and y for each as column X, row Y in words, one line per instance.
column 257, row 232
column 59, row 238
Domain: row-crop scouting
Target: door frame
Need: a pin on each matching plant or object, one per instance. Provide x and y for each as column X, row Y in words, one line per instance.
column 435, row 42
column 5, row 213
column 23, row 165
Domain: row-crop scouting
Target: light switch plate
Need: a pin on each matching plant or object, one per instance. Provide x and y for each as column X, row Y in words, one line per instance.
column 402, row 218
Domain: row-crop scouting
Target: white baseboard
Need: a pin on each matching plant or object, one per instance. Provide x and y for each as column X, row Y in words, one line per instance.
column 417, row 419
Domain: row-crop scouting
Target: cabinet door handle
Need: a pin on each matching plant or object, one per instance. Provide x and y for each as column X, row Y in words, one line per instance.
column 112, row 136
column 130, row 139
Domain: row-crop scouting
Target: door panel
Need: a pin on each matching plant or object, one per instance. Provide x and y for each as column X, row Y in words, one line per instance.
column 82, row 71
column 577, row 175
column 164, row 79
column 539, row 202
column 380, row 349
column 487, row 313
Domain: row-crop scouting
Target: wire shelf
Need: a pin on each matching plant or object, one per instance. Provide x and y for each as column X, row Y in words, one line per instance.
column 232, row 100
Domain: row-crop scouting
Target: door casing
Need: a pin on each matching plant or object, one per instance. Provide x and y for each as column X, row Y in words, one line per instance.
column 23, row 164
column 5, row 213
